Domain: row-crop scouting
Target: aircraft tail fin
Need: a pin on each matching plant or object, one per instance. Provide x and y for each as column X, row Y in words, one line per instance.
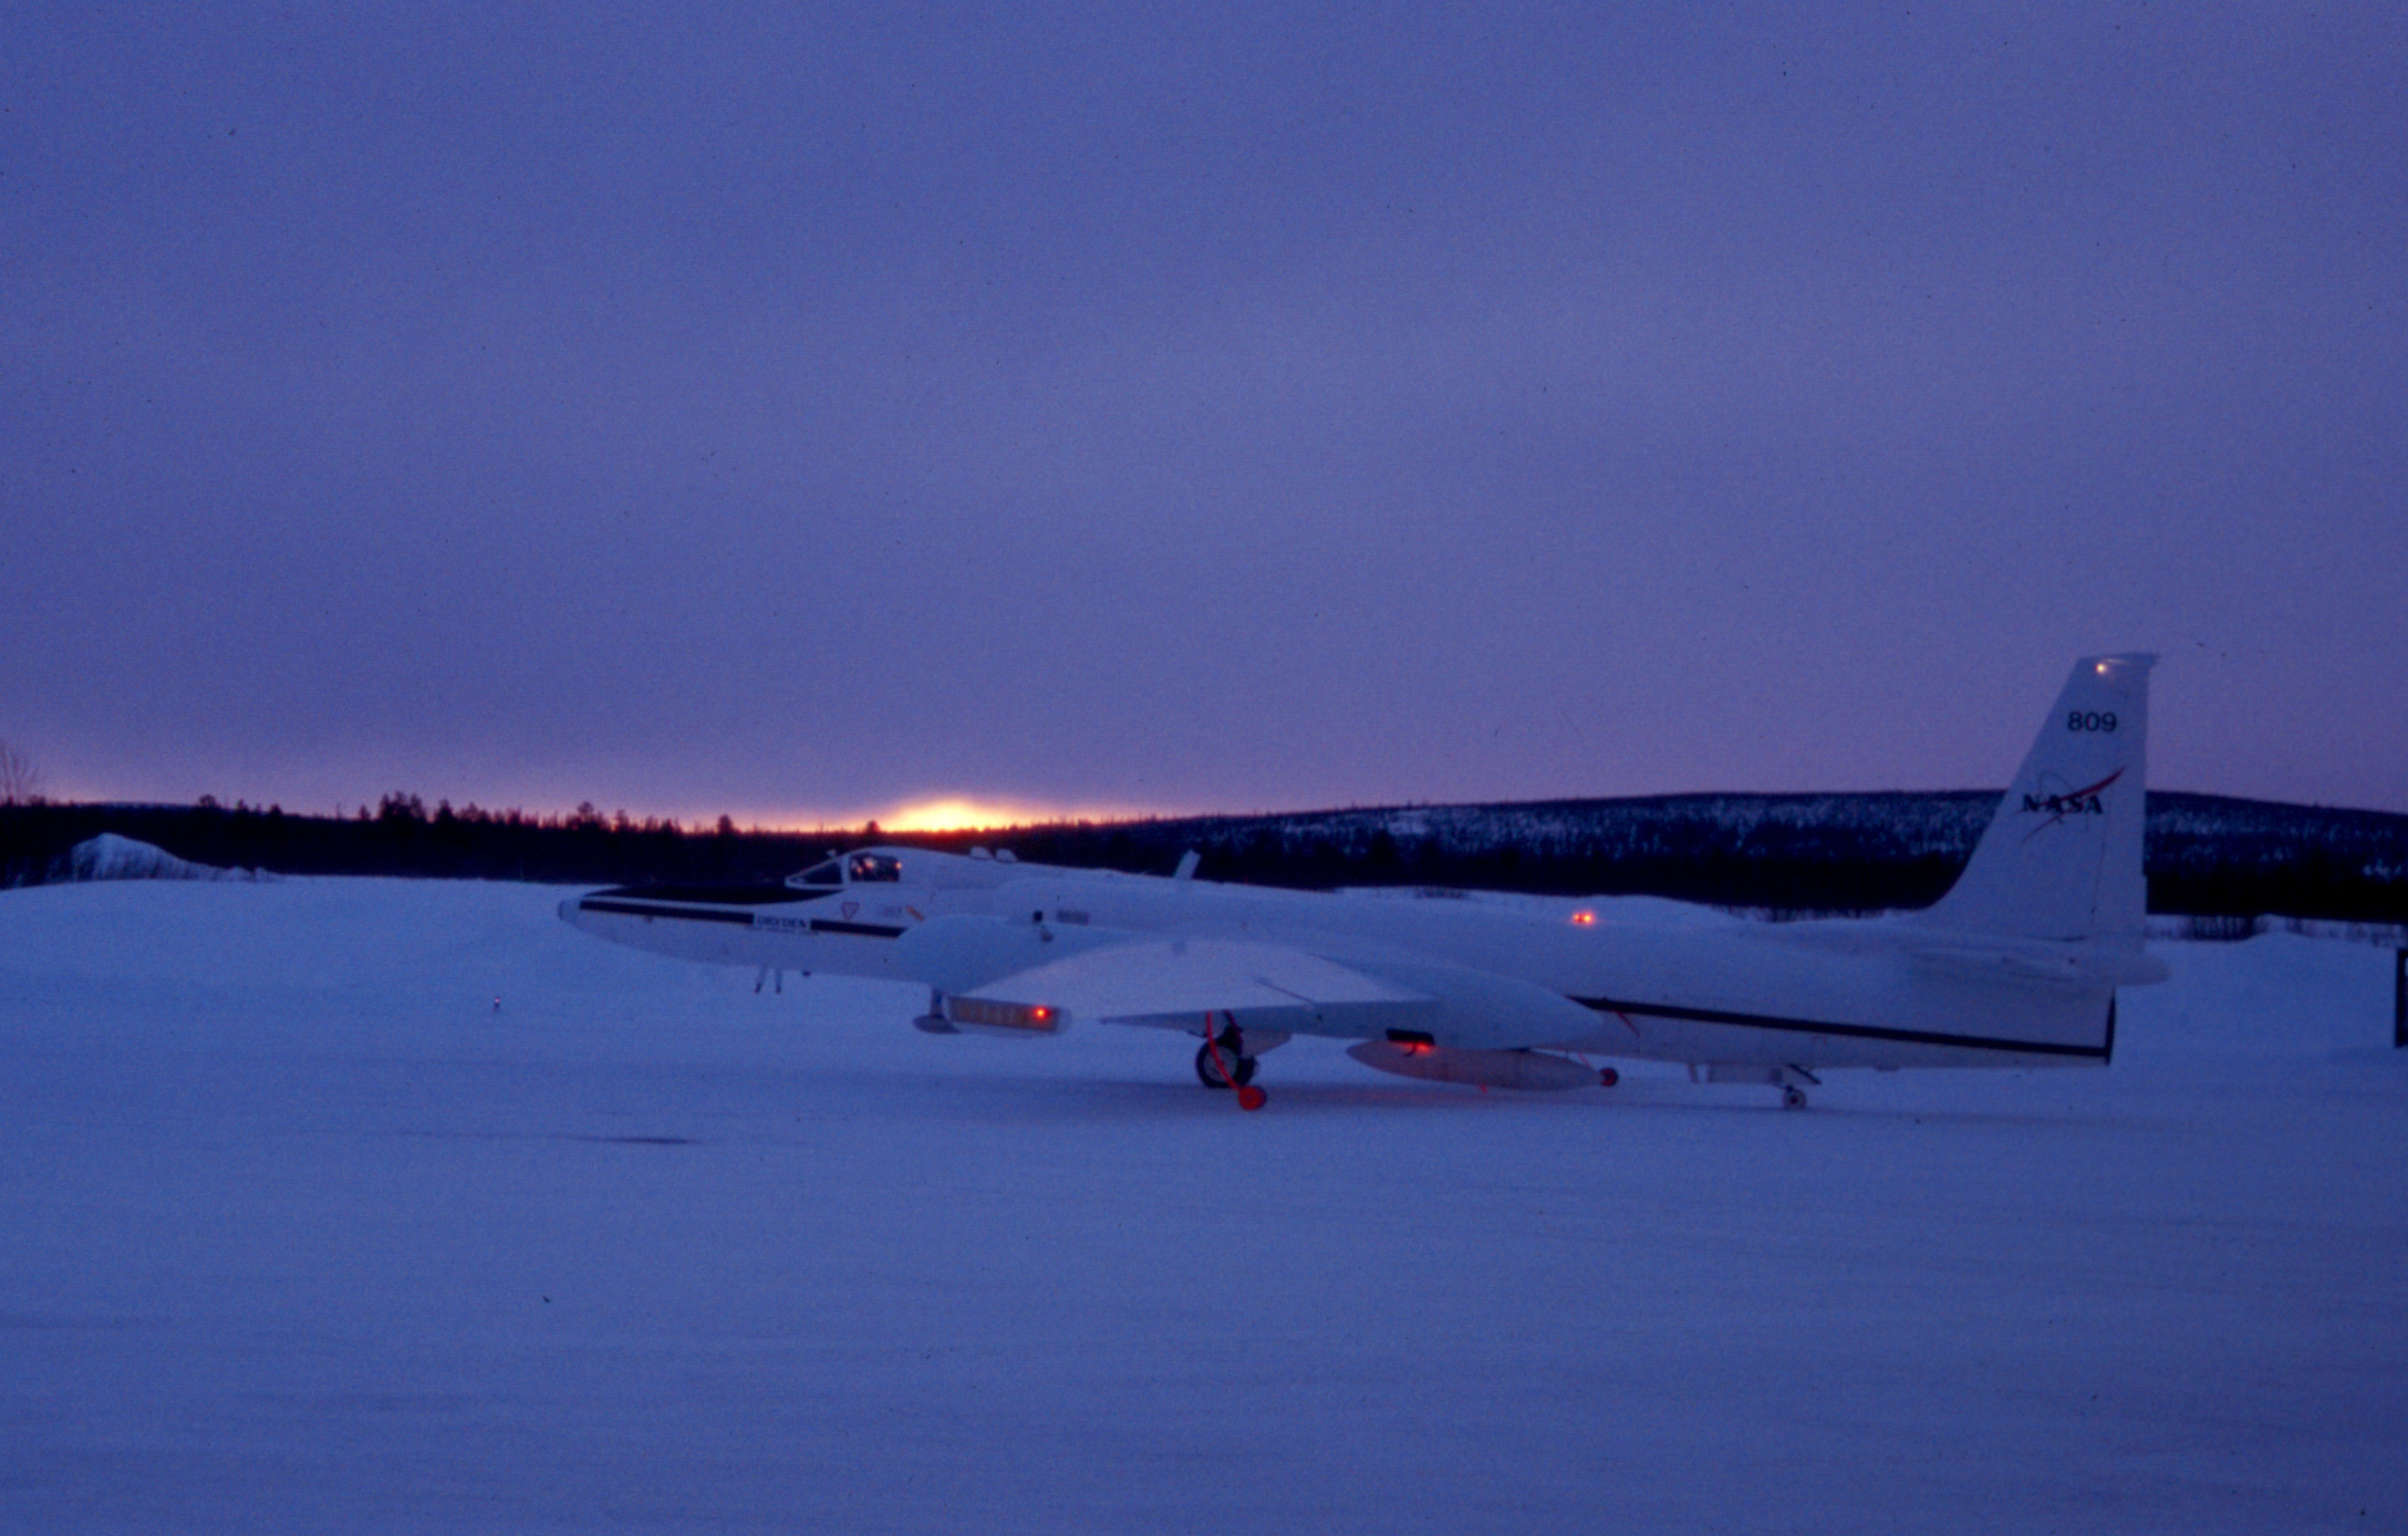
column 2061, row 858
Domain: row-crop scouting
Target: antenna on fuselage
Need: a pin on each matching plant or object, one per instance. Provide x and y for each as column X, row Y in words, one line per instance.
column 1187, row 863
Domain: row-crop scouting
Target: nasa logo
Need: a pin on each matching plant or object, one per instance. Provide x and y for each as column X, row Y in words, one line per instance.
column 2065, row 805
column 2055, row 805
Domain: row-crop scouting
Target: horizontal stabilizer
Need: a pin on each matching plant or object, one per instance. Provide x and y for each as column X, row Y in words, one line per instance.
column 2084, row 965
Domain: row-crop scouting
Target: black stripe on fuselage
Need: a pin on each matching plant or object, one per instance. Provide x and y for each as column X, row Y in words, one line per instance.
column 649, row 909
column 1853, row 1031
column 744, row 919
column 722, row 895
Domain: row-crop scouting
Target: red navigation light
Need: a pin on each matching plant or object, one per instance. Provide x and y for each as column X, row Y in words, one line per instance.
column 1584, row 918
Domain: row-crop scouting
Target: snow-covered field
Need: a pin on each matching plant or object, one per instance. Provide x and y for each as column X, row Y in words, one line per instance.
column 339, row 1205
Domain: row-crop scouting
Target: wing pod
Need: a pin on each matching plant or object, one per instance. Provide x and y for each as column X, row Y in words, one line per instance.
column 988, row 1016
column 1531, row 1070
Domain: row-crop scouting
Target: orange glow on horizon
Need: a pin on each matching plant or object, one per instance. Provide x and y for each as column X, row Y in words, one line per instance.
column 937, row 813
column 959, row 814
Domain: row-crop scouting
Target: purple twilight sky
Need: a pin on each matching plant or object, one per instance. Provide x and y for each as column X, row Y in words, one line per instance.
column 803, row 410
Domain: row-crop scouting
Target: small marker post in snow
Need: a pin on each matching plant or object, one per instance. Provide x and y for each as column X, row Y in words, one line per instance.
column 2400, row 999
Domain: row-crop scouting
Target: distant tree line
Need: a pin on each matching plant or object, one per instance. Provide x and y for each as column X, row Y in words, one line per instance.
column 2207, row 855
column 21, row 782
column 401, row 837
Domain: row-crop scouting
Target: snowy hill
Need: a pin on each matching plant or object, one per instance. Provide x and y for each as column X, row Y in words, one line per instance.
column 109, row 857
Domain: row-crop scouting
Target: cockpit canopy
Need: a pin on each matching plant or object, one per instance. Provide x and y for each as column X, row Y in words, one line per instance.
column 867, row 868
column 853, row 869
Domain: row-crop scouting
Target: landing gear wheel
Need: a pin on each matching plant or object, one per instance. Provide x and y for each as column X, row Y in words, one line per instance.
column 1208, row 1070
column 1793, row 1098
column 1607, row 1077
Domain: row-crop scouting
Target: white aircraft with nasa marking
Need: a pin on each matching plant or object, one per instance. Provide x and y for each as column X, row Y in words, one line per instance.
column 2017, row 966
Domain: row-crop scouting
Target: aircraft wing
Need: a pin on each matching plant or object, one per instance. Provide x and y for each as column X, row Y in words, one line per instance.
column 1173, row 983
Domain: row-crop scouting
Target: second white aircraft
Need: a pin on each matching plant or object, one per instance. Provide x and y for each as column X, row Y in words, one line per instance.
column 2017, row 966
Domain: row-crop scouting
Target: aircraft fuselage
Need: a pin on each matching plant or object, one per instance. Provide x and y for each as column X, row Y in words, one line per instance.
column 1504, row 971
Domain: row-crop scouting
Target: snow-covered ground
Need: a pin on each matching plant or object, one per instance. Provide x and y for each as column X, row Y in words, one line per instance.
column 340, row 1205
